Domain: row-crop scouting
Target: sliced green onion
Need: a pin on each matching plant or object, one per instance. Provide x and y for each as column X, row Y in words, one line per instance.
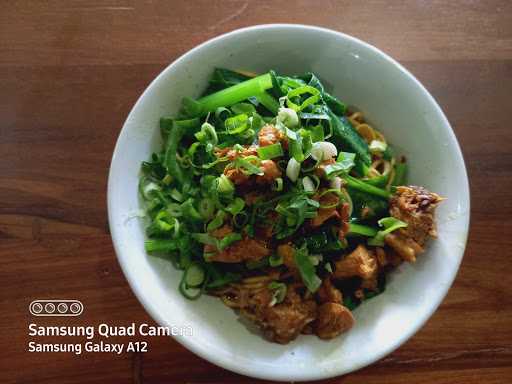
column 315, row 97
column 190, row 293
column 205, row 238
column 275, row 260
column 160, row 245
column 288, row 117
column 278, row 292
column 176, row 195
column 217, row 221
column 224, row 185
column 222, row 113
column 164, row 221
column 270, row 151
column 147, row 188
column 240, row 220
column 236, row 206
column 174, row 209
column 194, row 275
column 206, row 208
column 207, row 134
column 277, row 184
column 228, row 240
column 308, row 184
column 189, row 211
column 237, row 124
column 293, row 169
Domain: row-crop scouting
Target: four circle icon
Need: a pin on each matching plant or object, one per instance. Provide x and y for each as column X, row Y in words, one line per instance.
column 56, row 307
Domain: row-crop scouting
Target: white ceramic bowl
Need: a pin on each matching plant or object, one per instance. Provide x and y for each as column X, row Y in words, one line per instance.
column 396, row 103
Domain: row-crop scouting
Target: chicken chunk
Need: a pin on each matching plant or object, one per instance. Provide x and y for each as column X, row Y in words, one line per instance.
column 328, row 293
column 242, row 250
column 232, row 154
column 361, row 262
column 287, row 252
column 270, row 172
column 330, row 201
column 269, row 135
column 332, row 320
column 416, row 207
column 236, row 175
column 268, row 167
column 344, row 211
column 281, row 322
column 404, row 246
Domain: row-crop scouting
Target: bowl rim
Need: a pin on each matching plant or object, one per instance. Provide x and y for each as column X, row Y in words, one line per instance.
column 195, row 347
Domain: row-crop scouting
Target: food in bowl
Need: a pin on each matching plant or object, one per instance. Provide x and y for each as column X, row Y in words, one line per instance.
column 270, row 194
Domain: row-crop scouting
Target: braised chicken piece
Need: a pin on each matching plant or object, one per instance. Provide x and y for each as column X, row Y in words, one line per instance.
column 344, row 211
column 287, row 252
column 236, row 175
column 404, row 246
column 269, row 135
column 270, row 172
column 242, row 250
column 232, row 154
column 281, row 322
column 330, row 201
column 328, row 293
column 269, row 168
column 332, row 320
column 416, row 207
column 361, row 262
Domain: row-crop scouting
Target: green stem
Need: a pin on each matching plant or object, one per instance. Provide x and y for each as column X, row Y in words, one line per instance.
column 268, row 102
column 160, row 245
column 235, row 94
column 171, row 162
column 358, row 229
column 354, row 183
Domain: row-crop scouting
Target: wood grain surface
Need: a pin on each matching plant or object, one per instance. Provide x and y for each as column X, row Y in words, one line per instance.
column 70, row 72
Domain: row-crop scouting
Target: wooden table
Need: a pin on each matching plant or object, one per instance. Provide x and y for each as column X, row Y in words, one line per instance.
column 71, row 71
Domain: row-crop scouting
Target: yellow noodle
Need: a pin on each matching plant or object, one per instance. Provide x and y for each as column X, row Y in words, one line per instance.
column 366, row 131
column 255, row 279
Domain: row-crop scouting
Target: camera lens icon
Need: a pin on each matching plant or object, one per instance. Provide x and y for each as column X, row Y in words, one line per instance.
column 49, row 308
column 36, row 308
column 75, row 308
column 62, row 308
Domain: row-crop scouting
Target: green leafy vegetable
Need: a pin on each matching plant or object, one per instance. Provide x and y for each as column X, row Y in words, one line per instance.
column 390, row 224
column 307, row 269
